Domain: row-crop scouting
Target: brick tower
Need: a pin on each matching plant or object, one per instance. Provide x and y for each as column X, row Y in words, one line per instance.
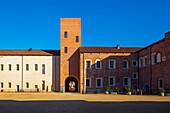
column 70, row 41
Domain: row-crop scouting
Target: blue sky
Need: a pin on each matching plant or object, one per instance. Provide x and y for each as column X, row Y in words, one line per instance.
column 130, row 23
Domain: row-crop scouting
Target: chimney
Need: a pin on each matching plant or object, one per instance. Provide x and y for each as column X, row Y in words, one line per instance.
column 29, row 49
column 118, row 46
column 167, row 35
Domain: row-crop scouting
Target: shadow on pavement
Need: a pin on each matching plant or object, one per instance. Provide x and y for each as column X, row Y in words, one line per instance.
column 80, row 106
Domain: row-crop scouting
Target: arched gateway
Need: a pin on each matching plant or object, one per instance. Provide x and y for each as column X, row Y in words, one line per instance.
column 71, row 84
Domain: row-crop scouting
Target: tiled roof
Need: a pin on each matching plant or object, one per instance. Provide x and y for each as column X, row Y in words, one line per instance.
column 30, row 52
column 108, row 49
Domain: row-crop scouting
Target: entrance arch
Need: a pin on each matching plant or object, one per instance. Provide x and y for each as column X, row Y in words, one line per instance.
column 71, row 84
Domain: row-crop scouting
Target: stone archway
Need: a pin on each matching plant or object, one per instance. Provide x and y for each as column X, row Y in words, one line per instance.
column 71, row 84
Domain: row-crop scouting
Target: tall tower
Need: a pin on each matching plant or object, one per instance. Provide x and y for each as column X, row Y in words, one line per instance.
column 70, row 41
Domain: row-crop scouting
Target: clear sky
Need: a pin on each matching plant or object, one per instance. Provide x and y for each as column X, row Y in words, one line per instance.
column 130, row 23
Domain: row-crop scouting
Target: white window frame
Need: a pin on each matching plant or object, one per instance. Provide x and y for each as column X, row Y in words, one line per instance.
column 153, row 58
column 144, row 63
column 89, row 82
column 101, row 83
column 96, row 63
column 114, row 84
column 86, row 63
column 136, row 63
column 140, row 62
column 136, row 75
column 129, row 84
column 127, row 64
column 158, row 57
column 114, row 64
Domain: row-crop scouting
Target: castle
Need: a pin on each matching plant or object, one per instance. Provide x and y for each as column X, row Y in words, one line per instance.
column 75, row 68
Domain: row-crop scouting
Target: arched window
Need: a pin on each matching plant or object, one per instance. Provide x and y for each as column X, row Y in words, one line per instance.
column 158, row 56
column 98, row 64
column 125, row 64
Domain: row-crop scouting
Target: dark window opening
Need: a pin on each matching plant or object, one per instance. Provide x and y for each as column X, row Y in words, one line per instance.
column 77, row 38
column 65, row 34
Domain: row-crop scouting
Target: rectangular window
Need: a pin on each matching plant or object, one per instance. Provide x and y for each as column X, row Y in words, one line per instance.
column 111, row 81
column 88, row 82
column 43, row 68
column 140, row 62
column 88, row 64
column 17, row 67
column 135, row 75
column 77, row 38
column 27, row 67
column 36, row 67
column 145, row 63
column 36, row 86
column 9, row 84
column 65, row 50
column 65, row 34
column 154, row 58
column 126, row 81
column 2, row 85
column 112, row 64
column 125, row 64
column 160, row 83
column 134, row 63
column 9, row 67
column 98, row 82
column 2, row 67
column 98, row 64
column 27, row 85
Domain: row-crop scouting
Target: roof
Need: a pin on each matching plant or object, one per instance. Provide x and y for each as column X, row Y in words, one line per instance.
column 30, row 52
column 108, row 49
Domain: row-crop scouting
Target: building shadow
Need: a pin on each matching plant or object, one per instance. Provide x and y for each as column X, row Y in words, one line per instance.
column 80, row 106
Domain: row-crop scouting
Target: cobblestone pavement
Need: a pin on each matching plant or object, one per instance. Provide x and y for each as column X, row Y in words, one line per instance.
column 81, row 103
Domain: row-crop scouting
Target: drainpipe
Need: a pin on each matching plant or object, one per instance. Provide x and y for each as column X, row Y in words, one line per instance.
column 83, row 76
column 150, row 70
column 138, row 71
column 22, row 73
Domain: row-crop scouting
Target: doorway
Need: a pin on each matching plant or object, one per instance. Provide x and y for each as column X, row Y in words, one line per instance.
column 71, row 84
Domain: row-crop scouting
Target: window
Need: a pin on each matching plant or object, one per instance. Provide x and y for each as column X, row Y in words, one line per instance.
column 2, row 67
column 111, row 81
column 65, row 50
column 17, row 67
column 158, row 57
column 126, row 81
column 9, row 84
column 160, row 83
column 43, row 68
column 88, row 64
column 36, row 67
column 135, row 75
column 27, row 67
column 98, row 64
column 125, row 64
column 112, row 64
column 145, row 62
column 140, row 62
column 43, row 85
column 88, row 82
column 77, row 38
column 98, row 82
column 27, row 85
column 2, row 85
column 65, row 34
column 36, row 86
column 154, row 59
column 9, row 67
column 134, row 63
column 135, row 87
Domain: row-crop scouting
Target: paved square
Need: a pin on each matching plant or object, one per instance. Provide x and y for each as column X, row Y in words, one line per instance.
column 81, row 103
